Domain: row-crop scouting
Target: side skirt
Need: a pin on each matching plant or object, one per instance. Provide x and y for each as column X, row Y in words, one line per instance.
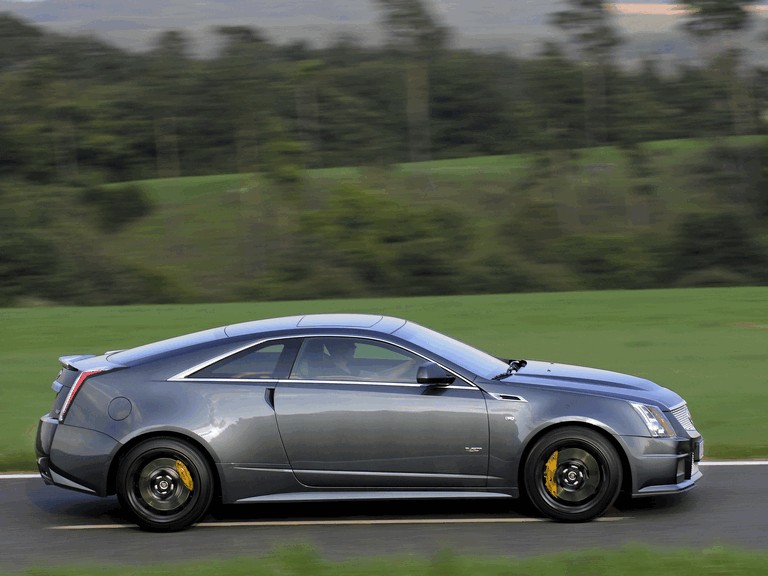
column 373, row 495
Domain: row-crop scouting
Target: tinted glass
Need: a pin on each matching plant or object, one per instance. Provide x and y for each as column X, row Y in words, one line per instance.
column 268, row 360
column 354, row 359
column 466, row 356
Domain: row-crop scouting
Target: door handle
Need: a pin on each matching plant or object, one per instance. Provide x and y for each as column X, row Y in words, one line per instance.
column 269, row 396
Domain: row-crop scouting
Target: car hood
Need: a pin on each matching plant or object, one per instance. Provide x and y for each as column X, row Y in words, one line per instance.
column 594, row 381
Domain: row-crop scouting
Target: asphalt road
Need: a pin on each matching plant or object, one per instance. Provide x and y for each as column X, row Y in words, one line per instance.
column 45, row 525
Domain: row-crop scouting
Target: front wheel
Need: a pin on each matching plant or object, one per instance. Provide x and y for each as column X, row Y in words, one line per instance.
column 164, row 484
column 572, row 474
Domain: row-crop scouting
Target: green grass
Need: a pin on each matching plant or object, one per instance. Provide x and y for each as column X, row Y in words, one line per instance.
column 709, row 345
column 177, row 190
column 303, row 561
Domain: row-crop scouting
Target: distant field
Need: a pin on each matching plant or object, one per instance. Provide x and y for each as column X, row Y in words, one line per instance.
column 707, row 344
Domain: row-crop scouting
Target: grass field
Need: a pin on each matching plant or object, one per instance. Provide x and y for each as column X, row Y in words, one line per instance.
column 305, row 562
column 707, row 344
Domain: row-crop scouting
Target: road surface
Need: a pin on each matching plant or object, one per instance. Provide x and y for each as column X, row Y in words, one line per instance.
column 46, row 525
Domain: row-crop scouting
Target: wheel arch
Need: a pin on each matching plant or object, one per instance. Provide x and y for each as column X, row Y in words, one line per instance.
column 626, row 469
column 195, row 442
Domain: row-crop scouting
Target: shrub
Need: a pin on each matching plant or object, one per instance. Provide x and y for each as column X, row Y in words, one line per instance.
column 27, row 262
column 610, row 262
column 114, row 207
column 716, row 241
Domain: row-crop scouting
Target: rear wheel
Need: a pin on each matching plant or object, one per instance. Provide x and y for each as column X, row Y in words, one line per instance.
column 572, row 474
column 164, row 484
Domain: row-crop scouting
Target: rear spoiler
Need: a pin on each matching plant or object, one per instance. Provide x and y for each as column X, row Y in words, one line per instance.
column 68, row 362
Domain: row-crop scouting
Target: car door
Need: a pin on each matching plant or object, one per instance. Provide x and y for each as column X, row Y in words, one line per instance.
column 351, row 414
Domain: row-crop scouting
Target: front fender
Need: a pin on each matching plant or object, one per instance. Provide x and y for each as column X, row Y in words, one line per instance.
column 514, row 425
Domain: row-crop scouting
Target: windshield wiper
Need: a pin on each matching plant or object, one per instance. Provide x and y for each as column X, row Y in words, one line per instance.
column 514, row 366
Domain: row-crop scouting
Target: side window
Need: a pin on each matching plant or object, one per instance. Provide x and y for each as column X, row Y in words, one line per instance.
column 339, row 358
column 267, row 360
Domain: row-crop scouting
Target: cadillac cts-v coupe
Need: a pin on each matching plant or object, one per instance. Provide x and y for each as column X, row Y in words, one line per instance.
column 346, row 406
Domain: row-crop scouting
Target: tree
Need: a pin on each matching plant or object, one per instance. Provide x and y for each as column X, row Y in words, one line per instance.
column 591, row 32
column 475, row 105
column 415, row 33
column 20, row 41
column 168, row 83
column 708, row 18
column 242, row 74
column 590, row 28
column 553, row 87
column 717, row 23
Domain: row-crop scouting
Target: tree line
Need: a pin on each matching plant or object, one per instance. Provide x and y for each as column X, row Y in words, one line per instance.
column 75, row 107
column 76, row 113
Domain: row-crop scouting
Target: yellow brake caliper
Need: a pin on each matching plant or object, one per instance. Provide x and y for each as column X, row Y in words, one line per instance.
column 185, row 476
column 549, row 474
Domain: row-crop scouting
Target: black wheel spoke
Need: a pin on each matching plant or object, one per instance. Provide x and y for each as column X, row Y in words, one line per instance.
column 165, row 484
column 572, row 474
column 161, row 487
column 577, row 475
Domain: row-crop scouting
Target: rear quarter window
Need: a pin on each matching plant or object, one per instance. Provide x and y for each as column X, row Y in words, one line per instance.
column 268, row 360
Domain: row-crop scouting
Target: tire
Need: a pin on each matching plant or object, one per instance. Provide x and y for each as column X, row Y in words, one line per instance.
column 164, row 484
column 572, row 474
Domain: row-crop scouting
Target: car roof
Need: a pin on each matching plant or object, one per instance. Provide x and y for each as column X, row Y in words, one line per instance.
column 310, row 322
column 373, row 322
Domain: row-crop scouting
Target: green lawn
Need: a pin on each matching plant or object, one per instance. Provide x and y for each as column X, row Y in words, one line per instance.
column 710, row 345
column 306, row 562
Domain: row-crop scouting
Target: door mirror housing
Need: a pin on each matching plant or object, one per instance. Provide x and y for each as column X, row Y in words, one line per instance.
column 433, row 375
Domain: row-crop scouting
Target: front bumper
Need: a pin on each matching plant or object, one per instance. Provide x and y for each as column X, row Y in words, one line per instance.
column 74, row 458
column 664, row 465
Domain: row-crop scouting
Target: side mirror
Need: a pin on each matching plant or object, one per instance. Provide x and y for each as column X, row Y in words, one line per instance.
column 433, row 375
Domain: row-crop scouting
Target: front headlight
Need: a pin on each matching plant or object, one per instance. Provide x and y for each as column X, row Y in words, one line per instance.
column 655, row 421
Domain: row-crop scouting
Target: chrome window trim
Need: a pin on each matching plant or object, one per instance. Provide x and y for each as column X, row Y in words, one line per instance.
column 272, row 381
column 374, row 383
column 185, row 374
column 275, row 381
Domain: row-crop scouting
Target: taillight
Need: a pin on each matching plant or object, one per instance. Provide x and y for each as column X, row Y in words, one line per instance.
column 74, row 390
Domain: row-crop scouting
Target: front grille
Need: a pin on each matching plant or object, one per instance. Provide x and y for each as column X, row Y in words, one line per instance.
column 683, row 416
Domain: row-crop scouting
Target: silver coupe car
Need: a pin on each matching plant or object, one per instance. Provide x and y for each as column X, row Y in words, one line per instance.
column 347, row 406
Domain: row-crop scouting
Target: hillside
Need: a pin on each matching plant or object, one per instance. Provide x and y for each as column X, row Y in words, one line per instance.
column 240, row 229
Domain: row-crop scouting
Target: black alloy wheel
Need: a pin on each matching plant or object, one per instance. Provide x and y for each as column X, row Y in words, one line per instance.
column 164, row 484
column 572, row 474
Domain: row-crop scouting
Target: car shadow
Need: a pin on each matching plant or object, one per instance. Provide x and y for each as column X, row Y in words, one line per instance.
column 60, row 507
column 366, row 510
column 666, row 504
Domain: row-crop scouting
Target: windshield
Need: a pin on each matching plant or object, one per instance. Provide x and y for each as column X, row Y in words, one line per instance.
column 469, row 358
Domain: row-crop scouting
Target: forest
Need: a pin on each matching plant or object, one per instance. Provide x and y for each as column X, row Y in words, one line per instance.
column 272, row 171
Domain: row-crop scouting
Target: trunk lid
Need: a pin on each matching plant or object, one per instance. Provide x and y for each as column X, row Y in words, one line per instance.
column 72, row 368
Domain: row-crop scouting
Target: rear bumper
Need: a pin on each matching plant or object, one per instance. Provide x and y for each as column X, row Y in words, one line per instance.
column 51, row 477
column 664, row 465
column 74, row 458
